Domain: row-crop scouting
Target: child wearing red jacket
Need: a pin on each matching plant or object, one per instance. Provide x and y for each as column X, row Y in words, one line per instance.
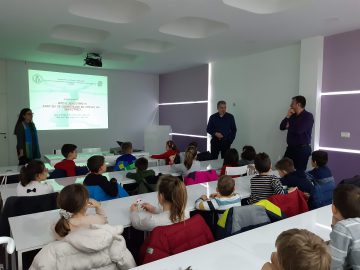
column 68, row 165
column 169, row 155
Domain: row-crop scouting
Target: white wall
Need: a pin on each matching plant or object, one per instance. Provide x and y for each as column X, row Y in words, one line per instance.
column 310, row 82
column 133, row 99
column 258, row 90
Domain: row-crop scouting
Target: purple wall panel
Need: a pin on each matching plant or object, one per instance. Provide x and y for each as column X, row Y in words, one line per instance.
column 186, row 118
column 340, row 113
column 341, row 70
column 182, row 142
column 184, row 85
column 343, row 165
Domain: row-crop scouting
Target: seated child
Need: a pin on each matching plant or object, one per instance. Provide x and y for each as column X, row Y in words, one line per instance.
column 265, row 184
column 190, row 163
column 345, row 235
column 68, row 165
column 31, row 176
column 141, row 175
column 97, row 166
column 172, row 198
column 291, row 177
column 126, row 161
column 169, row 155
column 247, row 156
column 321, row 173
column 73, row 202
column 224, row 198
column 299, row 249
column 231, row 159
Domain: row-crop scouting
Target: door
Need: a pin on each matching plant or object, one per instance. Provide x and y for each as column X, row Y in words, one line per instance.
column 4, row 140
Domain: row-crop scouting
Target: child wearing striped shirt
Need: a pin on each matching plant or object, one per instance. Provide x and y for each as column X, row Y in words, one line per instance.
column 264, row 184
column 225, row 197
column 345, row 235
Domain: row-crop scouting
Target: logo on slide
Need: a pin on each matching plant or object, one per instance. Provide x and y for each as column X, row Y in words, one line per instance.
column 100, row 83
column 37, row 78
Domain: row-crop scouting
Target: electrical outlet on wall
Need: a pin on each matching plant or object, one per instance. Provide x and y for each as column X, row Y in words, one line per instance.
column 345, row 134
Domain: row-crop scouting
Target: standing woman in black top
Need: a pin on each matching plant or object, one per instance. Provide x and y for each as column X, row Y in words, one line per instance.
column 27, row 145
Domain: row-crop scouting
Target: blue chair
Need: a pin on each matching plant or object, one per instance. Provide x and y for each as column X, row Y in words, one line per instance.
column 97, row 193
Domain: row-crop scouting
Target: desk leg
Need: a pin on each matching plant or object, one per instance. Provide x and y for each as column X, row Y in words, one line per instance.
column 20, row 260
column 13, row 260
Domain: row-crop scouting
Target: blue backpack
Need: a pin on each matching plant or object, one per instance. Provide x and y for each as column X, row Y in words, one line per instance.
column 322, row 194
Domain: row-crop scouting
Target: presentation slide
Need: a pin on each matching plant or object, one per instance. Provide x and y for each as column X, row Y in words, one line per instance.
column 68, row 101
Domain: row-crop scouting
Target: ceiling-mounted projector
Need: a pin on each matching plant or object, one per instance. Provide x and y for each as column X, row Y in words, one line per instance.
column 93, row 59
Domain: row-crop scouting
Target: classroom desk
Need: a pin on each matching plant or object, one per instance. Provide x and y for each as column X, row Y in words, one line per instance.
column 40, row 232
column 59, row 183
column 248, row 250
column 6, row 171
column 83, row 157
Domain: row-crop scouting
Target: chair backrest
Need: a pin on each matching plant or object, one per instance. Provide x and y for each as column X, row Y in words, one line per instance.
column 97, row 193
column 203, row 156
column 82, row 170
column 91, row 150
column 10, row 244
column 200, row 177
column 57, row 173
column 236, row 170
column 168, row 240
column 241, row 219
column 353, row 181
column 23, row 205
column 291, row 204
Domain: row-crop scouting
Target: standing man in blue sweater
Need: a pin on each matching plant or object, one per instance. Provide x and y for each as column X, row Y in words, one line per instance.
column 299, row 123
column 222, row 128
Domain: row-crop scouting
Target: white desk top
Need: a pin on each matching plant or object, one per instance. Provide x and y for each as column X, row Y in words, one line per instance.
column 59, row 183
column 117, row 211
column 249, row 250
column 10, row 170
column 83, row 157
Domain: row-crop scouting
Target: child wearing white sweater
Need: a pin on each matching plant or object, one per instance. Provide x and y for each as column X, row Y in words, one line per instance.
column 172, row 197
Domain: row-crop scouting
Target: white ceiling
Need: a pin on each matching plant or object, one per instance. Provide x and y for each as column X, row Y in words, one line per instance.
column 127, row 32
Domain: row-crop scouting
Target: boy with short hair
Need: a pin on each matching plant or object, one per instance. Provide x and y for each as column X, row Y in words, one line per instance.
column 224, row 198
column 299, row 249
column 345, row 235
column 291, row 177
column 264, row 184
column 68, row 165
column 321, row 173
column 141, row 174
column 97, row 167
column 126, row 161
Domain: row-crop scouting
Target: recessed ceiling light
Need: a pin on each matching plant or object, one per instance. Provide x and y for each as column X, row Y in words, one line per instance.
column 119, row 11
column 193, row 27
column 79, row 33
column 150, row 46
column 265, row 6
column 60, row 49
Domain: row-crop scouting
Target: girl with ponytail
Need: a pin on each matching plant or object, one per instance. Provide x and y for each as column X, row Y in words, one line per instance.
column 172, row 198
column 190, row 163
column 32, row 176
column 73, row 202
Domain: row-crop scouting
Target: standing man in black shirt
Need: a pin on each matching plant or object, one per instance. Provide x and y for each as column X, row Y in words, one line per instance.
column 222, row 128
